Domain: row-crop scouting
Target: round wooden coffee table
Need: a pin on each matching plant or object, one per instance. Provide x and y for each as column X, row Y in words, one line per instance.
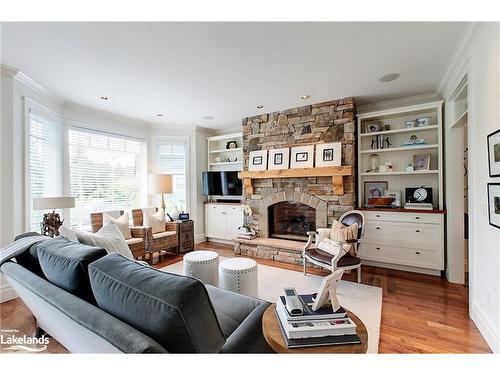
column 273, row 336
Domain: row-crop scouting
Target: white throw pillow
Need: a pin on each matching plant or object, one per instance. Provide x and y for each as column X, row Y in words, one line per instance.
column 156, row 221
column 109, row 237
column 329, row 246
column 122, row 223
column 69, row 233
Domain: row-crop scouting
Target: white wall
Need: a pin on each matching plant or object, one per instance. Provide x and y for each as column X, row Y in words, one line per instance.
column 479, row 60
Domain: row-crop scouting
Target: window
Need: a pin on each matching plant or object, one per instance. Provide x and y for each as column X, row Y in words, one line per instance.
column 107, row 172
column 171, row 159
column 43, row 173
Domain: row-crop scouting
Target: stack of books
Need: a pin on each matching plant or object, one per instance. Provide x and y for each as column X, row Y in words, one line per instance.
column 315, row 328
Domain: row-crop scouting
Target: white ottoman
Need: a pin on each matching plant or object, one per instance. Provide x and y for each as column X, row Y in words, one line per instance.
column 203, row 265
column 239, row 275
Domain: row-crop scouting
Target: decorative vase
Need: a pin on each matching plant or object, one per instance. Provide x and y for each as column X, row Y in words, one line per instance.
column 175, row 213
column 374, row 162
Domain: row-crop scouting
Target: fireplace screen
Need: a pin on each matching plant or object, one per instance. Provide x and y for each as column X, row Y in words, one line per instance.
column 291, row 221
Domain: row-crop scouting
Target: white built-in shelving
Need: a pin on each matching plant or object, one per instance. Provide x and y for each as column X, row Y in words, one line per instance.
column 400, row 155
column 223, row 158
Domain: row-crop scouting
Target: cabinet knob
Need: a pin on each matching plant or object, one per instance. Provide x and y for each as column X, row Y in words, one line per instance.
column 377, row 215
column 223, row 213
column 378, row 227
column 417, row 230
column 378, row 248
column 417, row 217
column 417, row 252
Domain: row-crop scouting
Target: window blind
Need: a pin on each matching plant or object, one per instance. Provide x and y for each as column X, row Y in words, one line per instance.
column 171, row 159
column 44, row 167
column 107, row 172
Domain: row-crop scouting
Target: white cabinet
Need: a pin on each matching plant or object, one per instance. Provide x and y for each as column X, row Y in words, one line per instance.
column 223, row 220
column 404, row 238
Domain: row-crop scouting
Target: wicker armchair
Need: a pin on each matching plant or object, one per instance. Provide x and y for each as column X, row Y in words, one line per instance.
column 136, row 244
column 158, row 242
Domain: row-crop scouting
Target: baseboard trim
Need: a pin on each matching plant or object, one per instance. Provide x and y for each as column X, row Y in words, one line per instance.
column 7, row 293
column 220, row 240
column 425, row 271
column 485, row 326
column 199, row 238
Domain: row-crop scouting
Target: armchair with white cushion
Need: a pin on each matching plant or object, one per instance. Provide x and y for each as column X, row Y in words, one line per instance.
column 332, row 255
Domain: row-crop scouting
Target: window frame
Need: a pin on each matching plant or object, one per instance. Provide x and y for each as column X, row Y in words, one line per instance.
column 159, row 140
column 30, row 106
column 143, row 193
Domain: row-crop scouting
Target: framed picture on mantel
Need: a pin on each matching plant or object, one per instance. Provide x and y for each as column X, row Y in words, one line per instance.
column 302, row 157
column 279, row 158
column 329, row 154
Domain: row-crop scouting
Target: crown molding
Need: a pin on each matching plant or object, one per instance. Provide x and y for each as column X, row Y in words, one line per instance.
column 71, row 108
column 399, row 102
column 8, row 71
column 458, row 62
column 27, row 81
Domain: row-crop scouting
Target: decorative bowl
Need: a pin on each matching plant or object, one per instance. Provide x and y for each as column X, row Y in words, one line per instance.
column 423, row 121
column 380, row 201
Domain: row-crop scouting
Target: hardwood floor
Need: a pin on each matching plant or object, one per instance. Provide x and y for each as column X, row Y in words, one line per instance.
column 420, row 313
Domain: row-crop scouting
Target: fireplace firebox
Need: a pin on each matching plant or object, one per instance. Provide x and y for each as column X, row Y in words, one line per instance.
column 291, row 220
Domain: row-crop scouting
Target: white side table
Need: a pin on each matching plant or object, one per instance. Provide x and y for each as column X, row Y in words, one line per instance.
column 203, row 265
column 239, row 275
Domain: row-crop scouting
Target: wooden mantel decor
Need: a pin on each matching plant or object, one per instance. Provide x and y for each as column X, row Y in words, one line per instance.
column 337, row 174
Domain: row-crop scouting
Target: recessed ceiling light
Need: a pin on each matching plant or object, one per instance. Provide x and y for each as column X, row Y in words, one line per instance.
column 304, row 97
column 208, row 117
column 389, row 77
column 159, row 115
column 104, row 98
column 260, row 106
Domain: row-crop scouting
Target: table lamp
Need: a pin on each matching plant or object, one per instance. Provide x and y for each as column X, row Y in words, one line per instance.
column 161, row 184
column 51, row 220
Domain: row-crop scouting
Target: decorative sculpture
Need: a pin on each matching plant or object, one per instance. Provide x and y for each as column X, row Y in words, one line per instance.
column 51, row 223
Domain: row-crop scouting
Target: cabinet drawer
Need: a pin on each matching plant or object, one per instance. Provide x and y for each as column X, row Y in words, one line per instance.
column 223, row 208
column 408, row 235
column 407, row 217
column 403, row 256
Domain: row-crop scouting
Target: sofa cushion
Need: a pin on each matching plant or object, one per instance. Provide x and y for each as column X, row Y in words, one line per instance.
column 29, row 258
column 65, row 264
column 163, row 234
column 174, row 310
column 241, row 320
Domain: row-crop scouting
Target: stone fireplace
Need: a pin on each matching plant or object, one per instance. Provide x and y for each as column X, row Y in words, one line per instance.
column 291, row 220
column 285, row 208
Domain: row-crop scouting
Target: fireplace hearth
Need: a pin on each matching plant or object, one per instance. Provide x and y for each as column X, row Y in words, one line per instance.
column 291, row 220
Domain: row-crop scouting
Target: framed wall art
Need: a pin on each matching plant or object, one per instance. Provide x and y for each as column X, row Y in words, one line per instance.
column 421, row 162
column 494, row 203
column 494, row 153
column 257, row 160
column 329, row 154
column 374, row 189
column 279, row 158
column 302, row 157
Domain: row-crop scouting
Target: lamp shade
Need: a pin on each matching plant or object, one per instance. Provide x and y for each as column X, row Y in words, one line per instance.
column 160, row 184
column 51, row 203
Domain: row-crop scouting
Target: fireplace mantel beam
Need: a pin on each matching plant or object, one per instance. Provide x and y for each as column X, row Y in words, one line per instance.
column 337, row 174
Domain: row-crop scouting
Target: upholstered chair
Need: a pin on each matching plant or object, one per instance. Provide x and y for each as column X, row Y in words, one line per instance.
column 137, row 244
column 311, row 253
column 161, row 241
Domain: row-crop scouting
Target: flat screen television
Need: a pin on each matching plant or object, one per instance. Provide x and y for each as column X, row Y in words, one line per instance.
column 222, row 183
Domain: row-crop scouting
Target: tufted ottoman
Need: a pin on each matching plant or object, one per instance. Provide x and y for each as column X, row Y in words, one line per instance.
column 239, row 275
column 203, row 265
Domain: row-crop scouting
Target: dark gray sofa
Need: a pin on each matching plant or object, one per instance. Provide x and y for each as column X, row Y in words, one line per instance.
column 134, row 308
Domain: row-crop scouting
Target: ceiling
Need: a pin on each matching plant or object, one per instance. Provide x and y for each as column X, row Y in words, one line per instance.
column 186, row 71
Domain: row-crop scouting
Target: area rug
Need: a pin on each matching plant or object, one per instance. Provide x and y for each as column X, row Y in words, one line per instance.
column 363, row 300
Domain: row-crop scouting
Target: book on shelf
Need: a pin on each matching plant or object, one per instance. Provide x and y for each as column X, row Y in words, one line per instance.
column 314, row 328
column 317, row 341
column 323, row 313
